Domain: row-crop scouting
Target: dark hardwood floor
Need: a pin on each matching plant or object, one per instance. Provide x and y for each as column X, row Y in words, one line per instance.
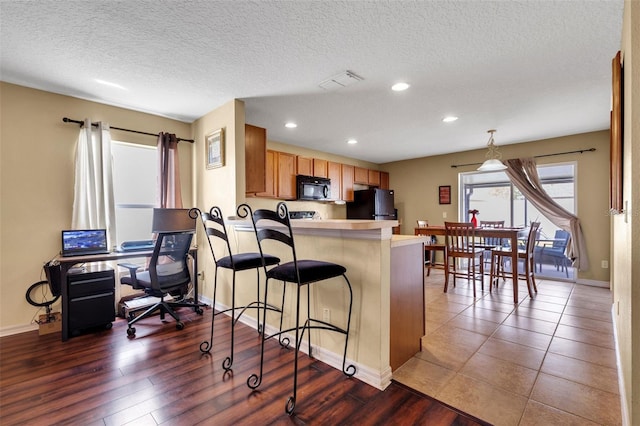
column 160, row 377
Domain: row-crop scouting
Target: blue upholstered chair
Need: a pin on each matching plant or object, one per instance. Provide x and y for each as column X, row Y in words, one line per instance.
column 555, row 253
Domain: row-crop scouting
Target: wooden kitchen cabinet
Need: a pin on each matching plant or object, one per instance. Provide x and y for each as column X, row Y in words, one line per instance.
column 304, row 165
column 334, row 173
column 286, row 174
column 374, row 178
column 361, row 175
column 347, row 182
column 320, row 168
column 255, row 153
column 384, row 180
column 270, row 175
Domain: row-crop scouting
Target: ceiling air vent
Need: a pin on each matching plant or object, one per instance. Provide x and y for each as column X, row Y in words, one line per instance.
column 341, row 80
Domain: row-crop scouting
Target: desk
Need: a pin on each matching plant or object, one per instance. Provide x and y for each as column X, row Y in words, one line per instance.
column 506, row 233
column 68, row 262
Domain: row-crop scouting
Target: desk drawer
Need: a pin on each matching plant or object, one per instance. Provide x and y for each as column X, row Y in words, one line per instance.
column 92, row 311
column 81, row 285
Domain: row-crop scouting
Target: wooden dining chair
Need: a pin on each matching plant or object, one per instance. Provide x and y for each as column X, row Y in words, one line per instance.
column 431, row 248
column 490, row 243
column 460, row 244
column 527, row 255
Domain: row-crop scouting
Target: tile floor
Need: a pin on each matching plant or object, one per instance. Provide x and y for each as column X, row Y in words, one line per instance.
column 545, row 361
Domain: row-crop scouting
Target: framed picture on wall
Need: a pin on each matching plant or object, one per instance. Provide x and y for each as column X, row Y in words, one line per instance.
column 444, row 194
column 615, row 165
column 215, row 149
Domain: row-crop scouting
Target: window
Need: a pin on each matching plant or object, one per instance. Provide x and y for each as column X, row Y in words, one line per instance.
column 493, row 195
column 135, row 189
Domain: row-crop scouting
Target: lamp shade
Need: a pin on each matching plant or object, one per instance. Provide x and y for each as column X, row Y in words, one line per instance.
column 492, row 165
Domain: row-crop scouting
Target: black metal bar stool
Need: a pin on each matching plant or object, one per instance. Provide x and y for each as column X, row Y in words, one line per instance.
column 214, row 227
column 275, row 225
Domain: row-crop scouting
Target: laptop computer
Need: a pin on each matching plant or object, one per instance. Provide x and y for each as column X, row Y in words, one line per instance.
column 80, row 242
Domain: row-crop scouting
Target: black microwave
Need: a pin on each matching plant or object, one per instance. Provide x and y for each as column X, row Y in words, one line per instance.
column 313, row 188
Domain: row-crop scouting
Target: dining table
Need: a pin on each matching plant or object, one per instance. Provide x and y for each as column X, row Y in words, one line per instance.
column 510, row 234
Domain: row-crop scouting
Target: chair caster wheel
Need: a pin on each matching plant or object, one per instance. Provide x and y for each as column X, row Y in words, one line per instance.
column 131, row 331
column 179, row 325
column 199, row 311
column 108, row 326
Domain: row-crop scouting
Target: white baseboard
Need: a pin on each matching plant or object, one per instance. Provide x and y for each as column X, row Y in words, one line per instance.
column 626, row 421
column 594, row 283
column 379, row 379
column 17, row 329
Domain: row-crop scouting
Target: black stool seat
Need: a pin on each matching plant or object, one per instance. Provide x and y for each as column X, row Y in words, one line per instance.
column 244, row 261
column 310, row 271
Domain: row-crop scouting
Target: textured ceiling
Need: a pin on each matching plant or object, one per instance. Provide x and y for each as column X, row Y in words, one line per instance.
column 531, row 69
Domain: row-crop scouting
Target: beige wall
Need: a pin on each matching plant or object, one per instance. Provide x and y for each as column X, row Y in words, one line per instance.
column 416, row 185
column 625, row 235
column 36, row 181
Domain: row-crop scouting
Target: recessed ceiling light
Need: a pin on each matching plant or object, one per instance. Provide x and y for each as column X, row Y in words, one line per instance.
column 399, row 87
column 291, row 125
column 110, row 84
column 449, row 119
column 352, row 141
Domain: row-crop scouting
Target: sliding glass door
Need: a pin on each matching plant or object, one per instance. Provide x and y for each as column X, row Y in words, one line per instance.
column 493, row 195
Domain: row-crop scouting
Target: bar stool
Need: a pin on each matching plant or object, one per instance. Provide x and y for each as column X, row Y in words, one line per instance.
column 302, row 273
column 214, row 227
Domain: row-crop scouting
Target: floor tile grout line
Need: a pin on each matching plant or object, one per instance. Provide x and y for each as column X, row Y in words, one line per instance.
column 486, row 338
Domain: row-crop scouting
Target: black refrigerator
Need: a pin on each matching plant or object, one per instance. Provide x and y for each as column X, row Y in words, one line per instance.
column 375, row 204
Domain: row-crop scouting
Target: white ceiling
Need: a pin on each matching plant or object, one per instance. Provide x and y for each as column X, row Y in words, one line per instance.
column 531, row 69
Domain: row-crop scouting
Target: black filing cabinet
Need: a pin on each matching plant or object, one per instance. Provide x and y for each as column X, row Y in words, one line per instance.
column 91, row 299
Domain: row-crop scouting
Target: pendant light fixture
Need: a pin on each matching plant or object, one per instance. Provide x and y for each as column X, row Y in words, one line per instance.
column 492, row 163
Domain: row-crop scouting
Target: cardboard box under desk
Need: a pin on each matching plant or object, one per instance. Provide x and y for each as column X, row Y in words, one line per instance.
column 54, row 325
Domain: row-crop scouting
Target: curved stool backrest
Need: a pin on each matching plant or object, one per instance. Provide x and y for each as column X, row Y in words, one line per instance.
column 260, row 219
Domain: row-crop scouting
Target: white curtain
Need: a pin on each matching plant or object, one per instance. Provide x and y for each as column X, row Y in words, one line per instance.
column 523, row 173
column 93, row 203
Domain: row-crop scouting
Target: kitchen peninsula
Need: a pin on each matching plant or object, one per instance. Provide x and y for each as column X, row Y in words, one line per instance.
column 386, row 272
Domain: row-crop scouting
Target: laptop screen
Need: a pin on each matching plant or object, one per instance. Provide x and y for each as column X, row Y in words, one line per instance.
column 78, row 242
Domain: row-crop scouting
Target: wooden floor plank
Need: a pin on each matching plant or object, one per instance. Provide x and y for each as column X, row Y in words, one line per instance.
column 161, row 377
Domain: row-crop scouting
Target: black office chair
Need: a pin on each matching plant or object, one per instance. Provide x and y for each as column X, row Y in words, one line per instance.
column 302, row 273
column 214, row 227
column 168, row 273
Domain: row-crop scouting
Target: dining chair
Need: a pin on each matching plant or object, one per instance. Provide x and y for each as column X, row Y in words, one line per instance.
column 527, row 255
column 490, row 243
column 460, row 244
column 431, row 248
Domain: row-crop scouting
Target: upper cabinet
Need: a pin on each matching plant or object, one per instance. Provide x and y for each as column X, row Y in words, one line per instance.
column 347, row 182
column 334, row 172
column 320, row 168
column 384, row 180
column 361, row 175
column 270, row 175
column 305, row 165
column 286, row 165
column 374, row 178
column 255, row 146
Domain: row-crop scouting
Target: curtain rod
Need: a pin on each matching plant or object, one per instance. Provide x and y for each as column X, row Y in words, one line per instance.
column 579, row 151
column 81, row 123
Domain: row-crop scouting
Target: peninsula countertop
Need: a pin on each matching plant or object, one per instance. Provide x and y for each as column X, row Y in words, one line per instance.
column 353, row 228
